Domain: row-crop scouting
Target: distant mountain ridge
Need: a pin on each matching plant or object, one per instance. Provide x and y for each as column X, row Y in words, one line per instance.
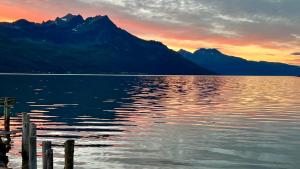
column 72, row 44
column 222, row 64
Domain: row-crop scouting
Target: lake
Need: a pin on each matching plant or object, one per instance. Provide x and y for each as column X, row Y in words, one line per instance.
column 151, row 122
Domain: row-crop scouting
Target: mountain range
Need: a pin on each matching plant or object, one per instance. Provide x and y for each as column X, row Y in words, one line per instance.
column 222, row 64
column 72, row 44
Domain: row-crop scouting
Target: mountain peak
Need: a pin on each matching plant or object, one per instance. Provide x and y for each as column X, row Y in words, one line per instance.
column 184, row 52
column 100, row 20
column 210, row 51
column 70, row 17
column 21, row 21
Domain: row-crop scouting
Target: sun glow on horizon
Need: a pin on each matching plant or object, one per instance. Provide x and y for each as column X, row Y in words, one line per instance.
column 6, row 20
column 248, row 52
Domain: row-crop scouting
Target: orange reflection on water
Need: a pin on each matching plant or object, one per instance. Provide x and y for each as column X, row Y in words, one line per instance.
column 179, row 99
column 206, row 101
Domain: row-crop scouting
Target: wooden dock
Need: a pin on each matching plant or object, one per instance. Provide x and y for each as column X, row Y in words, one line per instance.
column 29, row 142
column 7, row 103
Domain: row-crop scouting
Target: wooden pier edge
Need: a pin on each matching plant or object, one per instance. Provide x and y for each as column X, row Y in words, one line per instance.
column 5, row 145
column 29, row 141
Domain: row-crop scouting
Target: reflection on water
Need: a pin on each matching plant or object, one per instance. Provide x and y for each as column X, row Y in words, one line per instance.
column 179, row 122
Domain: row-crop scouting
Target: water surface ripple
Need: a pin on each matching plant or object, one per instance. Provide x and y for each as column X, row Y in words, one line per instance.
column 151, row 122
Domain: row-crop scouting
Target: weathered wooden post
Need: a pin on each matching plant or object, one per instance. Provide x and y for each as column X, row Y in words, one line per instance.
column 49, row 156
column 69, row 154
column 46, row 145
column 32, row 147
column 7, row 103
column 3, row 157
column 6, row 115
column 25, row 140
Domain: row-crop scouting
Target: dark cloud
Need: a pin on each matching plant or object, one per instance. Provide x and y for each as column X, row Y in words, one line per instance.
column 296, row 54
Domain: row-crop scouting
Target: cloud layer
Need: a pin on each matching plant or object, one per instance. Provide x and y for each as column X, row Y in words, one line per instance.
column 261, row 20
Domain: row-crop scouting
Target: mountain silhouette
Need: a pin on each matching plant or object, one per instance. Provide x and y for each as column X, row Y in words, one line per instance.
column 72, row 44
column 222, row 64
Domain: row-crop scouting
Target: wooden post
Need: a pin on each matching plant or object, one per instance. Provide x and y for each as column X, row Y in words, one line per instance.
column 25, row 140
column 49, row 156
column 32, row 147
column 7, row 119
column 7, row 104
column 6, row 113
column 46, row 145
column 69, row 154
column 3, row 157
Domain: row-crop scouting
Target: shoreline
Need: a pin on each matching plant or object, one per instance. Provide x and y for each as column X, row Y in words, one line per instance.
column 136, row 75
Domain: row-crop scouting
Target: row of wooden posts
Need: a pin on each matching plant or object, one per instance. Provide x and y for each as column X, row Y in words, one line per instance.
column 7, row 104
column 5, row 140
column 29, row 141
column 29, row 148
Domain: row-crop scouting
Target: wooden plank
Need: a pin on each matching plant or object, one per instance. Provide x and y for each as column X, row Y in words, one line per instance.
column 8, row 101
column 7, row 132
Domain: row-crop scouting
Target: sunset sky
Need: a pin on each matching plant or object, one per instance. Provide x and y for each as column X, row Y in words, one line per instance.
column 253, row 29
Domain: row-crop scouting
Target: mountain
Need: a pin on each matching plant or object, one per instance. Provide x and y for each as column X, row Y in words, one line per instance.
column 72, row 44
column 222, row 64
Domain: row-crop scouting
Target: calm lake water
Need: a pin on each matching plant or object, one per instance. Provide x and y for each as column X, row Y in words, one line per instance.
column 176, row 122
